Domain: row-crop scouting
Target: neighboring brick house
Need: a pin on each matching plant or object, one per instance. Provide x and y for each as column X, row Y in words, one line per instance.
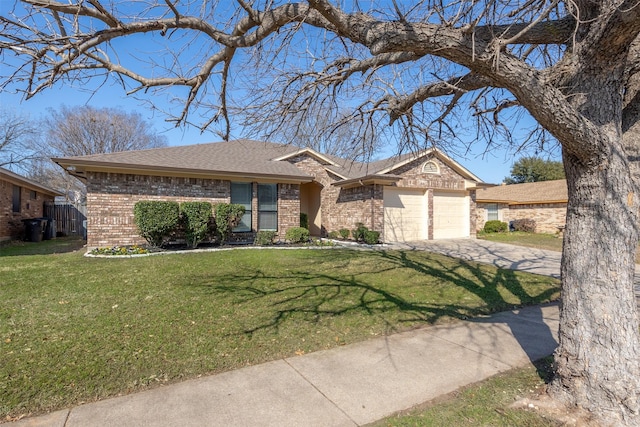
column 411, row 197
column 545, row 202
column 20, row 198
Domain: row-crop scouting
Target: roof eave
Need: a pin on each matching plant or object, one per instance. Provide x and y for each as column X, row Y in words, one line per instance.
column 79, row 168
column 526, row 202
column 368, row 180
column 26, row 182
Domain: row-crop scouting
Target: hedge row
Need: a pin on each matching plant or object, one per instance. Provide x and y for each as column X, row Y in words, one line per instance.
column 157, row 220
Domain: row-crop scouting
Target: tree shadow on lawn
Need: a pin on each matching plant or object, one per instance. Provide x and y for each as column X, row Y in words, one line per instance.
column 304, row 296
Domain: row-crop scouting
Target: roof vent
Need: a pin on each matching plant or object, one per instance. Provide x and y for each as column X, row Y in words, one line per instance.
column 431, row 167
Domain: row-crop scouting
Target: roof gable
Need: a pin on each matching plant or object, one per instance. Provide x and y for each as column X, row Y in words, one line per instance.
column 324, row 160
column 387, row 167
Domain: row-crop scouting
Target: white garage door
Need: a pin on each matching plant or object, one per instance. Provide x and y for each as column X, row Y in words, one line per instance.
column 450, row 215
column 405, row 214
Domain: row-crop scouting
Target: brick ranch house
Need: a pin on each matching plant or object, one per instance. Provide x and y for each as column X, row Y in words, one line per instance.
column 20, row 198
column 545, row 202
column 411, row 197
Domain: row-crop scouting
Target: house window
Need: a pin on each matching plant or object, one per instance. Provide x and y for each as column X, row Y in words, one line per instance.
column 16, row 200
column 431, row 167
column 492, row 211
column 241, row 195
column 33, row 195
column 268, row 207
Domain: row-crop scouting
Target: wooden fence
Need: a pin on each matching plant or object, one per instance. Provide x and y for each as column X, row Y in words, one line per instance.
column 69, row 220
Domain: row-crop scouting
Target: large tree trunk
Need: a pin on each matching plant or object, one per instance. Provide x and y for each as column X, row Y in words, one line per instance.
column 598, row 359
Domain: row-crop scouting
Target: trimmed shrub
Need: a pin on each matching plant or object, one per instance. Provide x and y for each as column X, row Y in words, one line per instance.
column 195, row 219
column 334, row 234
column 156, row 219
column 228, row 216
column 495, row 226
column 344, row 233
column 371, row 237
column 359, row 232
column 297, row 235
column 264, row 238
column 304, row 220
column 527, row 225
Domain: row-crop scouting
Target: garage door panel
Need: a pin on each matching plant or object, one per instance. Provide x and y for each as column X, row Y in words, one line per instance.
column 450, row 215
column 404, row 214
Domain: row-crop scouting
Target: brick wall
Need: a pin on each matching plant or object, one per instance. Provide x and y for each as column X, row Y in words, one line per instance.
column 111, row 198
column 360, row 204
column 288, row 208
column 548, row 216
column 11, row 225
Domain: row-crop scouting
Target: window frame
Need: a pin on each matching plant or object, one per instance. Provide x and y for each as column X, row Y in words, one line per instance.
column 246, row 222
column 489, row 208
column 16, row 199
column 271, row 209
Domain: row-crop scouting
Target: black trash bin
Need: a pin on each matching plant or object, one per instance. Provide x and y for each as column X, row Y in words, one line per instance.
column 33, row 229
column 49, row 228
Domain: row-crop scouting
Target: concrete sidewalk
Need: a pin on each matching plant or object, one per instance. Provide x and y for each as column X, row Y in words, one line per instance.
column 351, row 385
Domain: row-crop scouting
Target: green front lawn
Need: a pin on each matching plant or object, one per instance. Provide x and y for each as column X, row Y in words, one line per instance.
column 75, row 329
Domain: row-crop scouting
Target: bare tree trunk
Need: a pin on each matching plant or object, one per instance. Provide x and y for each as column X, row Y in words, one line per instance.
column 598, row 359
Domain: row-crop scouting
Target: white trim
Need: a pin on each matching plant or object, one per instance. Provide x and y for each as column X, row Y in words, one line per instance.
column 345, row 178
column 310, row 152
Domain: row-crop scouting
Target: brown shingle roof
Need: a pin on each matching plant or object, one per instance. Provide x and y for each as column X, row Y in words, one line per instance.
column 530, row 192
column 236, row 157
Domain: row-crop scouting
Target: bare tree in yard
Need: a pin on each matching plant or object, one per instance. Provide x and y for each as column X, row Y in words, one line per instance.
column 18, row 140
column 84, row 130
column 405, row 71
column 87, row 130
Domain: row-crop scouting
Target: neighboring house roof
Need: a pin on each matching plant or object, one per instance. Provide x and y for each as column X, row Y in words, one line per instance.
column 527, row 193
column 246, row 159
column 20, row 180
